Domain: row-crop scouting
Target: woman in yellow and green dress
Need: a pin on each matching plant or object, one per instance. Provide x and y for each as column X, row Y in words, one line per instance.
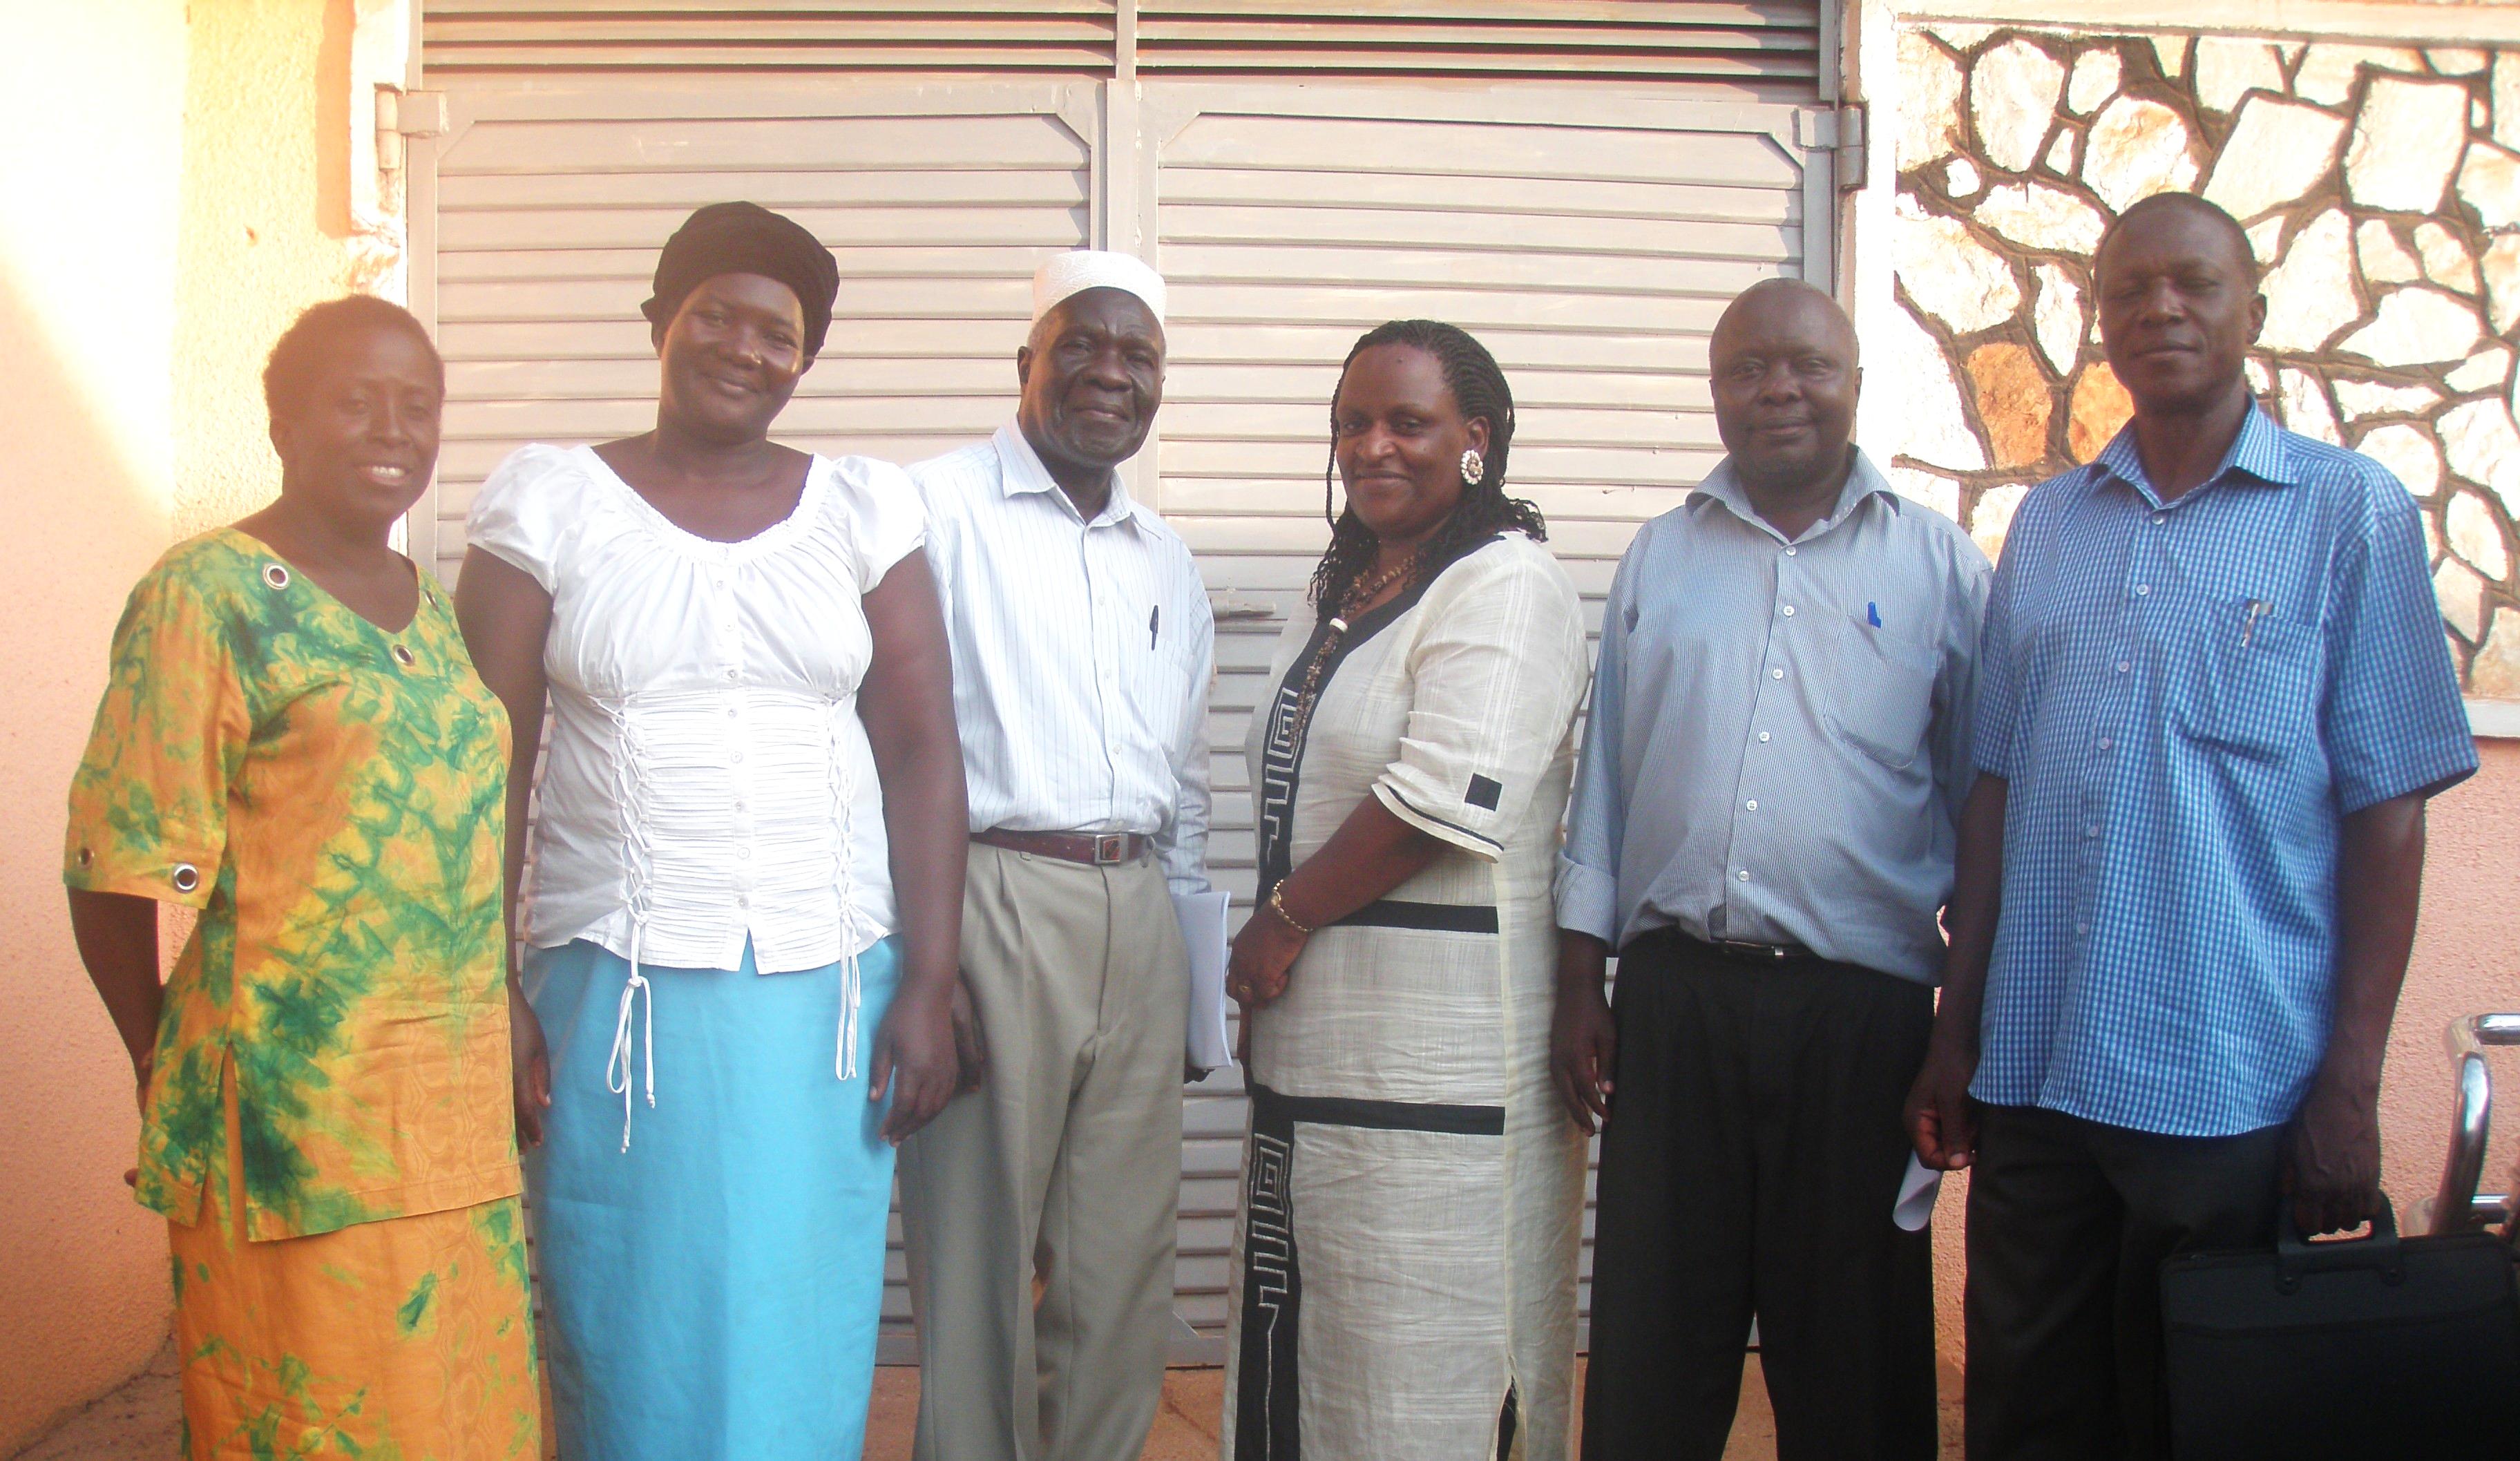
column 294, row 743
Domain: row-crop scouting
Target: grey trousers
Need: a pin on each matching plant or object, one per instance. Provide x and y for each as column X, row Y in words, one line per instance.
column 1060, row 1176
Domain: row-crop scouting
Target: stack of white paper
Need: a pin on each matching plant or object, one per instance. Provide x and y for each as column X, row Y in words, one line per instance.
column 1203, row 927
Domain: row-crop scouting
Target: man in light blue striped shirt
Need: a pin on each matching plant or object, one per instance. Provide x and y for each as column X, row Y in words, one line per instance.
column 1762, row 825
column 2212, row 699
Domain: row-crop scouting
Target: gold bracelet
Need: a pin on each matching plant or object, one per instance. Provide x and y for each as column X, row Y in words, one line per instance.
column 1278, row 906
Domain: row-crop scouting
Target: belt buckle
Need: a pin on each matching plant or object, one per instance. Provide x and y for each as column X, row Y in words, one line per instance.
column 1110, row 847
column 1744, row 948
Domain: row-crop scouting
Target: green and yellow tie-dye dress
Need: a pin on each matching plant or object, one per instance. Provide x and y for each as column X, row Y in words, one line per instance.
column 328, row 1129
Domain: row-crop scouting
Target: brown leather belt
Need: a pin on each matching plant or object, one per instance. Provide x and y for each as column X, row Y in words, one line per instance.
column 1092, row 848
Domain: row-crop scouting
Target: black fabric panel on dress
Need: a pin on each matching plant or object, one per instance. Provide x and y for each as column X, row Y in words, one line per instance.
column 1432, row 918
column 1268, row 1389
column 1376, row 1116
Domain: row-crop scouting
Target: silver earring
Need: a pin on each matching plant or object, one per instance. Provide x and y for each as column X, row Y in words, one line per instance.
column 1474, row 468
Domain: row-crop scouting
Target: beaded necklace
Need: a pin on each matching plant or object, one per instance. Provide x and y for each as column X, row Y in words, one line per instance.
column 1357, row 596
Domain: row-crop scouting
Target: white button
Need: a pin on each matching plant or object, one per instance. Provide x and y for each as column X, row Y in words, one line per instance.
column 1789, row 552
column 1743, row 875
column 2160, row 517
column 740, row 804
column 744, row 852
column 2092, row 831
column 732, row 712
column 2142, row 589
column 731, row 673
column 744, row 900
column 1789, row 610
column 1752, row 804
column 2084, row 928
column 2124, row 666
column 1763, row 738
column 2107, row 742
column 737, row 757
column 1776, row 674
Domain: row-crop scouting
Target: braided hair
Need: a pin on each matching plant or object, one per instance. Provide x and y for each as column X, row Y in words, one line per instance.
column 1479, row 389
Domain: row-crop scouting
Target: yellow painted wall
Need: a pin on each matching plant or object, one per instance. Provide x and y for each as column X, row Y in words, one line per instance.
column 266, row 224
column 91, row 97
column 173, row 192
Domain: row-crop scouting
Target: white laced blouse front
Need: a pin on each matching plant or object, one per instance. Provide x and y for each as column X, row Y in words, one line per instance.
column 709, row 781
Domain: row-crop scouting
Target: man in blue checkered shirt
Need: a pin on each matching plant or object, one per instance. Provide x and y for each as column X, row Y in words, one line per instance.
column 2213, row 695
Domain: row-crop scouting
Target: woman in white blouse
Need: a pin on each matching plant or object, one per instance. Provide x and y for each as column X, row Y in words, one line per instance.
column 1404, row 1277
column 749, row 873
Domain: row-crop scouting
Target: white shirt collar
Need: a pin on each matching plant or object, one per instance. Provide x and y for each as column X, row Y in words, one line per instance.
column 1020, row 470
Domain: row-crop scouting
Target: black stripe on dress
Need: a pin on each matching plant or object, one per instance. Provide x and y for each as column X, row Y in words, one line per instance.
column 1435, row 918
column 1374, row 1115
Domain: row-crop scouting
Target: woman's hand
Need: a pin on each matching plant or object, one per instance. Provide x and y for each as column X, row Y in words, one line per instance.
column 529, row 1062
column 1263, row 954
column 916, row 1060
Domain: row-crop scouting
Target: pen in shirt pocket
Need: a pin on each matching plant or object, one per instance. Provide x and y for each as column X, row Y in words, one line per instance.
column 1873, row 615
column 2254, row 611
column 1155, row 617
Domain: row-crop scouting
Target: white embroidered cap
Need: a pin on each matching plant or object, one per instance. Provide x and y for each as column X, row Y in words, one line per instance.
column 1074, row 273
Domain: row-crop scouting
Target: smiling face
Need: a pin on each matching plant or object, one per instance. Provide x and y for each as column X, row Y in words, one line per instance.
column 2179, row 307
column 1398, row 436
column 1093, row 376
column 362, row 439
column 1784, row 384
column 732, row 357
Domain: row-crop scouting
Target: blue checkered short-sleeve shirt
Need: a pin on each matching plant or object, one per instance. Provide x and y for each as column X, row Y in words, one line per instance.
column 2187, row 699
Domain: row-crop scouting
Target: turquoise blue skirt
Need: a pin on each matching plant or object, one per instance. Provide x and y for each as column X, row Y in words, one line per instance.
column 713, row 1291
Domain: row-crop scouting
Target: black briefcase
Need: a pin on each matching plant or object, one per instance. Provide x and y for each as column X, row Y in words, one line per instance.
column 2372, row 1347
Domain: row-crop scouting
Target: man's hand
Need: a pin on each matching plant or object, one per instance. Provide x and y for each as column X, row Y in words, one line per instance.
column 916, row 1060
column 529, row 1068
column 1940, row 1115
column 1583, row 1035
column 970, row 1043
column 2332, row 1158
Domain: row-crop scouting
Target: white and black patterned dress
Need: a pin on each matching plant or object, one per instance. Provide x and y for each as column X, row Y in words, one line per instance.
column 1404, row 1274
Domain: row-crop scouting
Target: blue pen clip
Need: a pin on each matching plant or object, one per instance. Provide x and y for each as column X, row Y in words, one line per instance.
column 1873, row 615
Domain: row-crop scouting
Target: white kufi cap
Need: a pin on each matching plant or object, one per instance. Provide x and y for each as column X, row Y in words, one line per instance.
column 1074, row 273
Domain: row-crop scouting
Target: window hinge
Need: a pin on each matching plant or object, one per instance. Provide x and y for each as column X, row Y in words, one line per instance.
column 406, row 114
column 1841, row 130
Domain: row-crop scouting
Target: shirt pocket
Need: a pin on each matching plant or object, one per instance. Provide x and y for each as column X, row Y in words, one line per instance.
column 1882, row 694
column 2260, row 678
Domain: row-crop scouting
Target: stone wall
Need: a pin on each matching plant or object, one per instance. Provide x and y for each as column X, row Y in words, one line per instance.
column 2381, row 191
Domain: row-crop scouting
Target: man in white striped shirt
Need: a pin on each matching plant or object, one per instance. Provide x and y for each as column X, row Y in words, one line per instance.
column 1083, row 646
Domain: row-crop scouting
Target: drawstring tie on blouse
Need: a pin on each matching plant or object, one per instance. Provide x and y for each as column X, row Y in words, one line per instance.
column 616, row 1069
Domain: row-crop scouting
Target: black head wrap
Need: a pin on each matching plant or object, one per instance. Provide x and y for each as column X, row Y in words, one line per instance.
column 746, row 237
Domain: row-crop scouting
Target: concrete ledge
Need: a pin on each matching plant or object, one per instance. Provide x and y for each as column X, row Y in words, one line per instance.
column 2494, row 719
column 2306, row 20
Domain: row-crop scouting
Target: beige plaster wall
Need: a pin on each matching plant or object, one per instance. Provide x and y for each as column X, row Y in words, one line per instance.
column 266, row 225
column 88, row 92
column 178, row 191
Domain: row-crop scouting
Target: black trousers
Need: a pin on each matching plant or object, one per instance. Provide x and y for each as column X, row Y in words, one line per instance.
column 1752, row 1158
column 2068, row 1223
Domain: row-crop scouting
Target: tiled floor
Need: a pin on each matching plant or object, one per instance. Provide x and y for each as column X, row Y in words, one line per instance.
column 138, row 1422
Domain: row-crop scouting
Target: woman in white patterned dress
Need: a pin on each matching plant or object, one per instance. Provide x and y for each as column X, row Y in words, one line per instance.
column 1404, row 1274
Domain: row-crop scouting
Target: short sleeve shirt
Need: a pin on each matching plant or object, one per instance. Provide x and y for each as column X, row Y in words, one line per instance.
column 709, row 782
column 2186, row 698
column 332, row 798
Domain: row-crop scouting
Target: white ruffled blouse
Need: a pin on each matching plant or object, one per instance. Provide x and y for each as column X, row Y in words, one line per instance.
column 708, row 780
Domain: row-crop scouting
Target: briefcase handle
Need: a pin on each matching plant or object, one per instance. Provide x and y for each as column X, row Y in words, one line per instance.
column 2296, row 1254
